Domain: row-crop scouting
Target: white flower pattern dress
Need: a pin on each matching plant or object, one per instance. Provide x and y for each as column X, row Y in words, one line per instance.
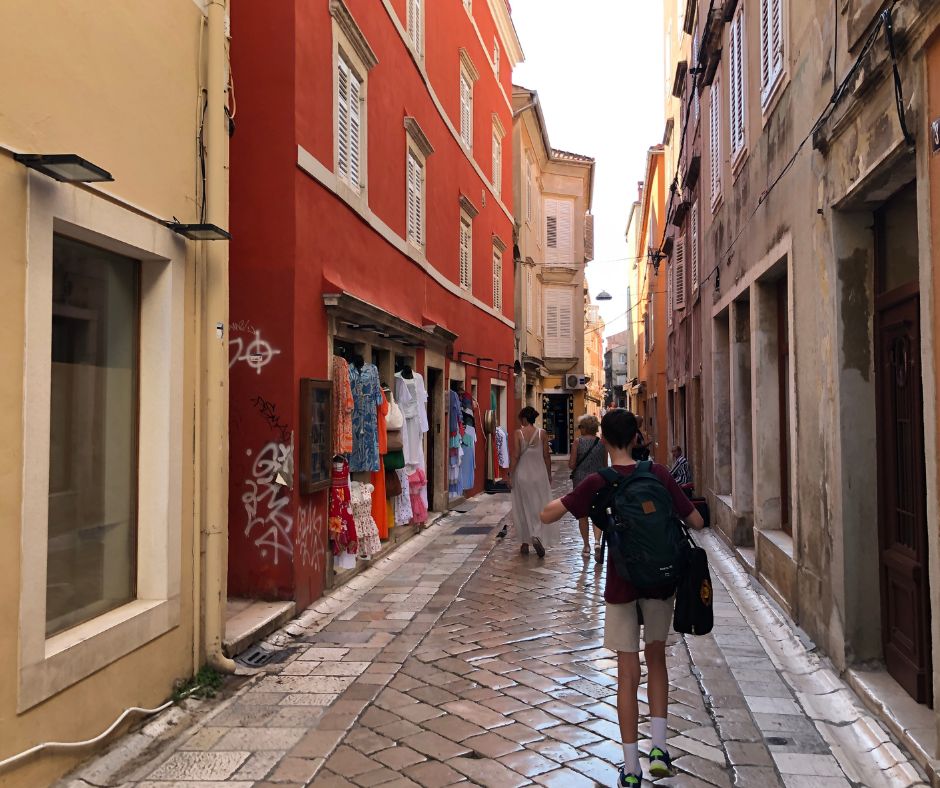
column 366, row 528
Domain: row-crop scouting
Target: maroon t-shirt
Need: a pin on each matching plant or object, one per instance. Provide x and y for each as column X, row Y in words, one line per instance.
column 578, row 502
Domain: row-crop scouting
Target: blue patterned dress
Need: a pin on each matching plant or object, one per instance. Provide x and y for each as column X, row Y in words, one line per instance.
column 367, row 396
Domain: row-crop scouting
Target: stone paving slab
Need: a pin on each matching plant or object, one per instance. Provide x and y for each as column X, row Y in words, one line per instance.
column 465, row 663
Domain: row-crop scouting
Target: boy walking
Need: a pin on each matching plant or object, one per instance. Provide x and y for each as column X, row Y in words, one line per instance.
column 619, row 432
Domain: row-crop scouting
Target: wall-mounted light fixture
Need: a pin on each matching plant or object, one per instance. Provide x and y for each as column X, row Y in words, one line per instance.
column 64, row 167
column 200, row 232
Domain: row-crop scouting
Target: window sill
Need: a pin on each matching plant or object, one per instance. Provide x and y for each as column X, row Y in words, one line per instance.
column 76, row 653
column 737, row 164
column 773, row 100
column 717, row 203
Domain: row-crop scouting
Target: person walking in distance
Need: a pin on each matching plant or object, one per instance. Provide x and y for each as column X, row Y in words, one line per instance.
column 588, row 456
column 621, row 627
column 530, row 475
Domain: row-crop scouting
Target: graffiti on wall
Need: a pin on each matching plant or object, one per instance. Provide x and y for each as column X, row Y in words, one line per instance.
column 309, row 543
column 268, row 411
column 255, row 351
column 266, row 499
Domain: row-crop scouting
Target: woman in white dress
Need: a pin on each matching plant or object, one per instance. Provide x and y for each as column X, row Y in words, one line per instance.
column 530, row 474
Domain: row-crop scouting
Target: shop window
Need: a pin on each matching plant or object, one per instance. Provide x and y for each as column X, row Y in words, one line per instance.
column 91, row 558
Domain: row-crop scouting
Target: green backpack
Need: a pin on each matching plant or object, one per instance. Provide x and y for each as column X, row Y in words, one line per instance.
column 646, row 539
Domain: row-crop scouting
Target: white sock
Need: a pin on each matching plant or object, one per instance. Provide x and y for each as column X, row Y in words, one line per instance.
column 658, row 732
column 631, row 758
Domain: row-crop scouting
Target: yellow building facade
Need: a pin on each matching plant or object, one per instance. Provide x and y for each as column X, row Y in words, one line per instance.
column 115, row 392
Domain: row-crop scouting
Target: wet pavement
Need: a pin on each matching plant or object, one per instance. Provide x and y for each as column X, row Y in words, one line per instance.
column 459, row 661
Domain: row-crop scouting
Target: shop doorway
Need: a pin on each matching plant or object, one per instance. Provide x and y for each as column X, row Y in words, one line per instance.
column 556, row 418
column 435, row 402
column 905, row 600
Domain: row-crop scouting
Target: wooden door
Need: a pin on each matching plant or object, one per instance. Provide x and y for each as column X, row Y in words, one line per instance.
column 905, row 602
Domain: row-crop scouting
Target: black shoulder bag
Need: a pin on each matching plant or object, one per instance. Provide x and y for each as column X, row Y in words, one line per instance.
column 586, row 455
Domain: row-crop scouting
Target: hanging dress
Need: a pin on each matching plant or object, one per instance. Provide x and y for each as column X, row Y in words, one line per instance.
column 342, row 408
column 341, row 521
column 468, row 461
column 531, row 491
column 417, row 482
column 367, row 397
column 403, row 510
column 412, row 398
column 366, row 528
column 378, row 478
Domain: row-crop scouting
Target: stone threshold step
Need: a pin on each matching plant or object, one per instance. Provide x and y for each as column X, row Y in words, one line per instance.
column 250, row 620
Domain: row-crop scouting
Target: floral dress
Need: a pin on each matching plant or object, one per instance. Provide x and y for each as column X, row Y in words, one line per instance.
column 403, row 510
column 367, row 397
column 417, row 481
column 366, row 528
column 342, row 408
column 341, row 521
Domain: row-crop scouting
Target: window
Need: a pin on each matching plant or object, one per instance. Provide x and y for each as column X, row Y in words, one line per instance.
column 652, row 312
column 466, row 251
column 678, row 283
column 348, row 124
column 414, row 200
column 497, row 278
column 416, row 25
column 528, row 189
column 693, row 242
column 559, row 322
column 670, row 290
column 468, row 6
column 91, row 560
column 737, row 95
column 714, row 141
column 696, row 79
column 559, row 217
column 529, row 301
column 497, row 161
column 771, row 48
column 496, row 55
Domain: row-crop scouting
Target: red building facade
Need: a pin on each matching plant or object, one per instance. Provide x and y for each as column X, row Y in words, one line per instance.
column 370, row 211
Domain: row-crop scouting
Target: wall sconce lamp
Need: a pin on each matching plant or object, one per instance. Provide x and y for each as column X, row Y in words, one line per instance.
column 200, row 232
column 656, row 257
column 64, row 167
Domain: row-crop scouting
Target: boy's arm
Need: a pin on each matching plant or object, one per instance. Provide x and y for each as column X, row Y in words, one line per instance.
column 694, row 520
column 553, row 512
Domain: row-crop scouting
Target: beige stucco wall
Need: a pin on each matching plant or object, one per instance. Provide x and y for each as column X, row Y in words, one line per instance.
column 118, row 83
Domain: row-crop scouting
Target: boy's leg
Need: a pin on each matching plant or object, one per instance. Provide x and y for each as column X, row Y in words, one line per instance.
column 622, row 634
column 657, row 617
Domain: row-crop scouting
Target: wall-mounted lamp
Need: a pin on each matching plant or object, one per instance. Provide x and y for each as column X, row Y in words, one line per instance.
column 656, row 257
column 64, row 167
column 200, row 232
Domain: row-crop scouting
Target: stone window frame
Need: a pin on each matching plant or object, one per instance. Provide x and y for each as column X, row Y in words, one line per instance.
column 48, row 665
column 351, row 46
column 419, row 148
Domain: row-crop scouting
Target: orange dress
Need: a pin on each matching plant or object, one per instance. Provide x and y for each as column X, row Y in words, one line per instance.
column 378, row 478
column 343, row 405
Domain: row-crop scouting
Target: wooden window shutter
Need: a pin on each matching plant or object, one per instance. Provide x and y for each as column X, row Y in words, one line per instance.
column 551, row 322
column 414, row 24
column 559, row 232
column 342, row 119
column 714, row 147
column 693, row 241
column 497, row 279
column 497, row 162
column 528, row 191
column 529, row 301
column 354, row 131
column 466, row 109
column 566, row 324
column 772, row 47
column 679, row 278
column 737, row 101
column 466, row 254
column 670, row 289
column 415, row 206
column 696, row 79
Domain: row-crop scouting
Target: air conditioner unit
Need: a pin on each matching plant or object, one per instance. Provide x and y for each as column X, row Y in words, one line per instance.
column 575, row 382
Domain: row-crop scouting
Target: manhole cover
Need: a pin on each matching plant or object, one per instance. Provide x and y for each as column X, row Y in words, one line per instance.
column 258, row 656
column 778, row 740
column 474, row 529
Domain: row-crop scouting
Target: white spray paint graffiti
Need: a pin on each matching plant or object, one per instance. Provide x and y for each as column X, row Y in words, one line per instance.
column 266, row 500
column 257, row 353
column 309, row 538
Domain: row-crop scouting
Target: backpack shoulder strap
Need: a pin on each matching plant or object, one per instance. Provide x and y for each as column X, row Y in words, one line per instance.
column 604, row 495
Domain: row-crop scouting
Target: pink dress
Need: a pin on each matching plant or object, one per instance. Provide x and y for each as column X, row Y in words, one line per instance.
column 417, row 482
column 341, row 521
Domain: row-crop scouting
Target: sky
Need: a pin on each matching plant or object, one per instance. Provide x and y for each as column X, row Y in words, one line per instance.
column 598, row 68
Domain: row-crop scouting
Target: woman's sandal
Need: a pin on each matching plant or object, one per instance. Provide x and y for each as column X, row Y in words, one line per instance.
column 537, row 544
column 524, row 549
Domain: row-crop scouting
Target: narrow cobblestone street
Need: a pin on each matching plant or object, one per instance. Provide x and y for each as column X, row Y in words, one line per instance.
column 461, row 661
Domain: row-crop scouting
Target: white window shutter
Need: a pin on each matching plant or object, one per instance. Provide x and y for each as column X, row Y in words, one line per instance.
column 414, row 24
column 466, row 254
column 776, row 43
column 679, row 278
column 737, row 99
column 715, row 140
column 528, row 191
column 566, row 324
column 466, row 109
column 342, row 119
column 551, row 229
column 670, row 290
column 419, row 201
column 415, row 207
column 693, row 232
column 529, row 301
column 559, row 232
column 765, row 47
column 354, row 132
column 497, row 162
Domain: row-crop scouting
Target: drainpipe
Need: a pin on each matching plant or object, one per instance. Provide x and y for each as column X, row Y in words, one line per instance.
column 214, row 328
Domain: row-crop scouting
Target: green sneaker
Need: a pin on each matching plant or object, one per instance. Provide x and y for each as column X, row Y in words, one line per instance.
column 661, row 764
column 628, row 780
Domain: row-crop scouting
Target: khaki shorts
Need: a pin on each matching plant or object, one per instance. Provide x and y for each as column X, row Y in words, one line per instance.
column 622, row 629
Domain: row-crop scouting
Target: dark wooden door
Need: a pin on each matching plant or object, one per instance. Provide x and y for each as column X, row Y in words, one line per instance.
column 905, row 602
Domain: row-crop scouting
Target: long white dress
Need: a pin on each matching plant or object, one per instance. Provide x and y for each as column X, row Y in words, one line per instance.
column 531, row 490
column 412, row 398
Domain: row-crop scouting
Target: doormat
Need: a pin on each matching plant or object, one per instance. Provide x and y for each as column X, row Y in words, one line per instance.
column 474, row 529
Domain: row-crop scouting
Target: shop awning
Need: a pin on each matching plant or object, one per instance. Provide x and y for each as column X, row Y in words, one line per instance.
column 364, row 316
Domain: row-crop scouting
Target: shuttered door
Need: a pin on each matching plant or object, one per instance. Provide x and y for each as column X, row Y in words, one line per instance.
column 559, row 218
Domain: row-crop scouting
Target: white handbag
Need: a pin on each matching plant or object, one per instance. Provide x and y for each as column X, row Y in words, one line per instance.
column 395, row 419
